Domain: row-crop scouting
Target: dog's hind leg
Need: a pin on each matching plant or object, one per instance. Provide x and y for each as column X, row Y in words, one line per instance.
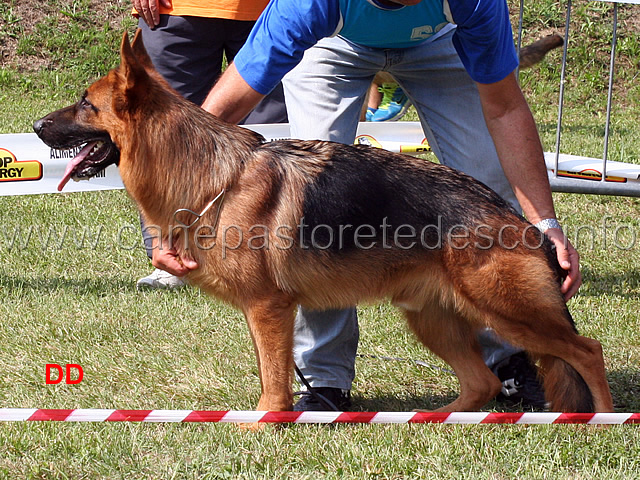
column 573, row 369
column 270, row 322
column 518, row 296
column 453, row 339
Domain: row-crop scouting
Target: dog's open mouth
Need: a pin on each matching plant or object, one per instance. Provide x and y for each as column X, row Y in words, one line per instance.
column 94, row 157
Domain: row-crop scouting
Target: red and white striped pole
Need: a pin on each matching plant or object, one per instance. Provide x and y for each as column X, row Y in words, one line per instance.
column 235, row 416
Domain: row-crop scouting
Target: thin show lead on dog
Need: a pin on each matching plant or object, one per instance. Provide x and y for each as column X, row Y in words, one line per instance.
column 132, row 118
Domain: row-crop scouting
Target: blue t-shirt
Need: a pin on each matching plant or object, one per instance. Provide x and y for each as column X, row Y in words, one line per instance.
column 403, row 26
column 483, row 37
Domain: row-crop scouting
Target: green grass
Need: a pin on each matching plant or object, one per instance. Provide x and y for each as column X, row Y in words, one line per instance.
column 75, row 302
column 71, row 43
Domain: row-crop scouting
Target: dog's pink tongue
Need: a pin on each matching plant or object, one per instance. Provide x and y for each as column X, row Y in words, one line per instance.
column 73, row 163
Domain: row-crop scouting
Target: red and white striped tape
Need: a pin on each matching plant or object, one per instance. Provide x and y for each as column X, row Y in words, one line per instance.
column 231, row 416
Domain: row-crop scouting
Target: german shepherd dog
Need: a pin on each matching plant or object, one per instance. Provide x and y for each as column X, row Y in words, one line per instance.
column 326, row 225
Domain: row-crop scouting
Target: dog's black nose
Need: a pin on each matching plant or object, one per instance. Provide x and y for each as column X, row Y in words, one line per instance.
column 38, row 126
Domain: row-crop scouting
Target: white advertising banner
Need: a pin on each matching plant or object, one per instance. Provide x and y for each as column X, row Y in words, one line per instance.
column 28, row 166
column 637, row 2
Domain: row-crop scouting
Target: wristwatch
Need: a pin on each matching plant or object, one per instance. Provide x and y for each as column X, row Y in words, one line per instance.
column 547, row 223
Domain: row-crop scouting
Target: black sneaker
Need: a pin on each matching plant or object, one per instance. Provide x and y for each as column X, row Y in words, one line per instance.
column 323, row 399
column 520, row 383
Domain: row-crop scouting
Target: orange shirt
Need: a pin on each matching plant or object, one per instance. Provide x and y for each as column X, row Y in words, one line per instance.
column 229, row 9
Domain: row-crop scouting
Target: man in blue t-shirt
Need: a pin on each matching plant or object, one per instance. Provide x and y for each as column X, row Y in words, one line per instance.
column 455, row 59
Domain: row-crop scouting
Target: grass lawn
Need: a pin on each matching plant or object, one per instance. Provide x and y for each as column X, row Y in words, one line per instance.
column 69, row 262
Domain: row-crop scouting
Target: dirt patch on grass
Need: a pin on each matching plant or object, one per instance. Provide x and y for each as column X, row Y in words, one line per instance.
column 21, row 20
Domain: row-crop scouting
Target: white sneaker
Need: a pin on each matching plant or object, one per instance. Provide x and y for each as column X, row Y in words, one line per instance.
column 159, row 279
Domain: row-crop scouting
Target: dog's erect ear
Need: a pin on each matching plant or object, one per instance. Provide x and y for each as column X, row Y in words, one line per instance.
column 130, row 68
column 140, row 52
column 135, row 79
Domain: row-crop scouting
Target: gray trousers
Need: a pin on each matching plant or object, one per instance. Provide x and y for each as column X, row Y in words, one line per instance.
column 325, row 94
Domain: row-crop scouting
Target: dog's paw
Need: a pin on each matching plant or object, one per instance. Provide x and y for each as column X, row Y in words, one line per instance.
column 252, row 427
column 261, row 427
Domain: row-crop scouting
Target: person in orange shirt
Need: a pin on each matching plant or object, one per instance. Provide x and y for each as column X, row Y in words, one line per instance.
column 188, row 41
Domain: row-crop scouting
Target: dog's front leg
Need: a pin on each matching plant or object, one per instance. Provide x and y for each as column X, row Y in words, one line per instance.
column 271, row 325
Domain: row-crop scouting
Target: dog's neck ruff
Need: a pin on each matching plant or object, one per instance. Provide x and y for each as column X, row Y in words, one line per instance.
column 218, row 198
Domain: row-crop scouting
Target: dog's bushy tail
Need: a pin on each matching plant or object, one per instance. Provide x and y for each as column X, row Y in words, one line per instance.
column 564, row 388
column 534, row 53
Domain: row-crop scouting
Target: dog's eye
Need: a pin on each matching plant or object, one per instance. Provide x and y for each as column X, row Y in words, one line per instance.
column 84, row 103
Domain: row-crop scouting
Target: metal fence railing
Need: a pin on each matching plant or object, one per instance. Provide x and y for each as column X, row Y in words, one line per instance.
column 589, row 175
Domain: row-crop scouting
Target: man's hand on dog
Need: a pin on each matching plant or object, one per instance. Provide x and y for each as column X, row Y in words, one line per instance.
column 569, row 260
column 149, row 10
column 169, row 260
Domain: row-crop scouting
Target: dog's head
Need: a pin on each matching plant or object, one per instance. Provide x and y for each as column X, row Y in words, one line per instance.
column 98, row 121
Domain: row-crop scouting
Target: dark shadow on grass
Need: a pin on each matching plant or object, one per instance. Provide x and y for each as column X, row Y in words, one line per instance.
column 388, row 403
column 423, row 402
column 625, row 389
column 624, row 384
column 624, row 284
column 100, row 286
